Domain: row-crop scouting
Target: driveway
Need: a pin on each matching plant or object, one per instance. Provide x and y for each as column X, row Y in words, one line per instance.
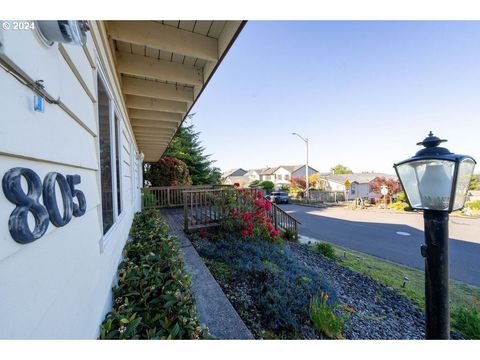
column 393, row 236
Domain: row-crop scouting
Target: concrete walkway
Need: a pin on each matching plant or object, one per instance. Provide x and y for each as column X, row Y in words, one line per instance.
column 213, row 307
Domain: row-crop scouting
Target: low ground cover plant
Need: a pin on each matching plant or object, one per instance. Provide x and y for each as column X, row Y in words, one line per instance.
column 152, row 299
column 278, row 288
column 328, row 318
column 467, row 320
column 326, row 250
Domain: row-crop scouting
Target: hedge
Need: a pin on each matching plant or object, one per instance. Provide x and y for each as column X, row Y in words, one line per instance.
column 152, row 299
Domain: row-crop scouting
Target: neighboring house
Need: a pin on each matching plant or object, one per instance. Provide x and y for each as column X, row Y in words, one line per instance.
column 359, row 184
column 284, row 173
column 255, row 174
column 243, row 181
column 279, row 175
column 79, row 118
column 232, row 173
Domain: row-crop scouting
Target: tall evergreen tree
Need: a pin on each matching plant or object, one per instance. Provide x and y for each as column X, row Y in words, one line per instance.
column 186, row 146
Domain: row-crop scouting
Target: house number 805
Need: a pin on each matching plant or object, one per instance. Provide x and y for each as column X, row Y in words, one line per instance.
column 30, row 202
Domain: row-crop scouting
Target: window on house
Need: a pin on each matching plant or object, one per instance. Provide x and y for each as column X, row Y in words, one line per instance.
column 287, row 177
column 104, row 127
column 110, row 156
column 279, row 177
column 118, row 162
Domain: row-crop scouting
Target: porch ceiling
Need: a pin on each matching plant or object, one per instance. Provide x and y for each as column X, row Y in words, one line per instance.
column 163, row 66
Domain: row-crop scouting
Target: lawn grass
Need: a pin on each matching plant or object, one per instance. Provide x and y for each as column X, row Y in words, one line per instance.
column 392, row 275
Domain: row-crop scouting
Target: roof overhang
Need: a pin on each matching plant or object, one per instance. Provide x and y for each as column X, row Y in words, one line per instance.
column 162, row 68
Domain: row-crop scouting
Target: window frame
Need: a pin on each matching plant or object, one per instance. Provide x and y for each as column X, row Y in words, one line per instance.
column 119, row 147
column 113, row 111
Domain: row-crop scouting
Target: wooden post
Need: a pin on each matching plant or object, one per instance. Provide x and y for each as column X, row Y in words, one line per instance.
column 168, row 198
column 275, row 218
column 185, row 213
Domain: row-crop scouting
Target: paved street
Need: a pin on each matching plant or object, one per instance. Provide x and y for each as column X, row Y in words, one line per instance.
column 393, row 236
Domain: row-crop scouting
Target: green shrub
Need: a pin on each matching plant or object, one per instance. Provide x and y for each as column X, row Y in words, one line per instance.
column 401, row 196
column 473, row 205
column 326, row 250
column 149, row 199
column 325, row 317
column 152, row 299
column 467, row 321
column 289, row 234
column 401, row 206
column 267, row 185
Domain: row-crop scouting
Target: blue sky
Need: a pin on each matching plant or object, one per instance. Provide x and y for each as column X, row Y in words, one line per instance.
column 363, row 92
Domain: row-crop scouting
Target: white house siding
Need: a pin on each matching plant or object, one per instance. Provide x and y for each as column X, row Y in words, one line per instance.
column 282, row 177
column 59, row 286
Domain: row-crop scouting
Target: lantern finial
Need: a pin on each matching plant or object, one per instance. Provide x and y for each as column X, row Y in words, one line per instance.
column 431, row 141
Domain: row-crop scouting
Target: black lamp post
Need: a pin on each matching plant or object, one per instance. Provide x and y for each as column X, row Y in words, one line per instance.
column 436, row 181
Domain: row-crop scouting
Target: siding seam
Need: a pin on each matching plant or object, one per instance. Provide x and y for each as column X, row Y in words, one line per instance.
column 89, row 57
column 75, row 71
column 25, row 157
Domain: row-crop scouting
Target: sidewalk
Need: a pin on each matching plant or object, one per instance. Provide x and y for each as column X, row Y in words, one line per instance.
column 213, row 307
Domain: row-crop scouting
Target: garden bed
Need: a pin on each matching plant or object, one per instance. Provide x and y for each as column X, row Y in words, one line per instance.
column 271, row 285
column 152, row 299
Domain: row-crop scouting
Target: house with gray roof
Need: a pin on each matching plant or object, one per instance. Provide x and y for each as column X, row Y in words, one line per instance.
column 359, row 184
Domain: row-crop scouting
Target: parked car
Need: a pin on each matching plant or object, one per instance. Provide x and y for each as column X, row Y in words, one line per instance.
column 279, row 197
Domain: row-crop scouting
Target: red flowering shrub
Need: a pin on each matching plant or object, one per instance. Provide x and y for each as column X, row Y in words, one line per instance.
column 248, row 215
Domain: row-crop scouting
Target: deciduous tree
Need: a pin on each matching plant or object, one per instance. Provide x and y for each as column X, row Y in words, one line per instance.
column 298, row 182
column 392, row 184
column 341, row 169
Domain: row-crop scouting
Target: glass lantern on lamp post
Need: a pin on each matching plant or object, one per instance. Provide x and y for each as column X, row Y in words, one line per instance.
column 436, row 181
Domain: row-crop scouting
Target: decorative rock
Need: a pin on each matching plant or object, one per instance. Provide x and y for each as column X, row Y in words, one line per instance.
column 395, row 317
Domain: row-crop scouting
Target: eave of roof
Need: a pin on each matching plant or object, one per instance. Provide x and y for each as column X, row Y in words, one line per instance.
column 163, row 68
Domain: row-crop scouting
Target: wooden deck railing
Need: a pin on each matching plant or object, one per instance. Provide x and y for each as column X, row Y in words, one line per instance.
column 203, row 208
column 169, row 196
column 207, row 207
column 283, row 221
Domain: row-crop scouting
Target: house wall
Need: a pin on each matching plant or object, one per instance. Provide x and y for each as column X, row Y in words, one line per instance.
column 268, row 178
column 59, row 286
column 253, row 176
column 280, row 175
column 301, row 172
column 334, row 186
column 359, row 190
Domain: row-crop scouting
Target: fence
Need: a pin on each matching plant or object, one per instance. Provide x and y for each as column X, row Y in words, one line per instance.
column 317, row 196
column 203, row 208
column 169, row 196
column 207, row 207
column 283, row 221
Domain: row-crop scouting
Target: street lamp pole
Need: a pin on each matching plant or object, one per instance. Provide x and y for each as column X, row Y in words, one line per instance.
column 436, row 181
column 306, row 168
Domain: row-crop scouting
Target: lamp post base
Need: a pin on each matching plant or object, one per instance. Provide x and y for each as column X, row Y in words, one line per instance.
column 435, row 251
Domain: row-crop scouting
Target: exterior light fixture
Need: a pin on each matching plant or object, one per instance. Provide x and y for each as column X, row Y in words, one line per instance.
column 73, row 32
column 436, row 181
